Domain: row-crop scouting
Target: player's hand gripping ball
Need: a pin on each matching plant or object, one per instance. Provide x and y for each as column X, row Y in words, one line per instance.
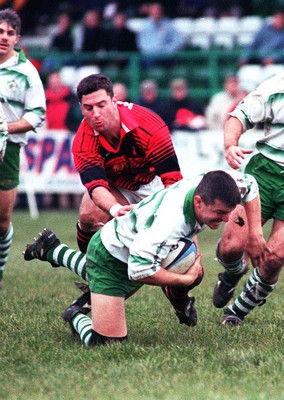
column 181, row 257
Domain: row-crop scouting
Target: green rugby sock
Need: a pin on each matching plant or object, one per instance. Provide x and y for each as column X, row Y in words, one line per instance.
column 83, row 326
column 5, row 245
column 74, row 260
column 254, row 294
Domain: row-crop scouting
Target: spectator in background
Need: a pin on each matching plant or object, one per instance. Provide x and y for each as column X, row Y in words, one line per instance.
column 77, row 9
column 192, row 8
column 89, row 34
column 221, row 102
column 224, row 8
column 120, row 91
column 62, row 38
column 182, row 112
column 140, row 8
column 58, row 101
column 158, row 36
column 120, row 38
column 149, row 97
column 267, row 46
column 242, row 92
column 169, row 7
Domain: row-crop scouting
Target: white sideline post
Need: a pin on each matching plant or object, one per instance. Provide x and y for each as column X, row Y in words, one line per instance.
column 33, row 208
column 31, row 198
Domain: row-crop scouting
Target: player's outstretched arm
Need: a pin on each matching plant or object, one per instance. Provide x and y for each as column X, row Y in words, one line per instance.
column 257, row 248
column 234, row 154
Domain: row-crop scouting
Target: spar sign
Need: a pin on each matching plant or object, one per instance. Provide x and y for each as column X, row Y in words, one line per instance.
column 47, row 164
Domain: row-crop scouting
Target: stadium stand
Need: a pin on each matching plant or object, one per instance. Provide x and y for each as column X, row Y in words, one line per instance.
column 202, row 32
column 205, row 70
column 251, row 75
column 247, row 28
column 225, row 32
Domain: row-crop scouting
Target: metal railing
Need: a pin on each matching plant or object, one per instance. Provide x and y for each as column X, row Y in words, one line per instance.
column 204, row 70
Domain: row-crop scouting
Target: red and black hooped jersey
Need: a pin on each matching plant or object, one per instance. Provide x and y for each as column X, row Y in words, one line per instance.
column 145, row 150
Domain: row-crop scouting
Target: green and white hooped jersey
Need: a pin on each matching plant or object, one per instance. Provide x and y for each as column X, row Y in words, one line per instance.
column 144, row 236
column 266, row 105
column 21, row 93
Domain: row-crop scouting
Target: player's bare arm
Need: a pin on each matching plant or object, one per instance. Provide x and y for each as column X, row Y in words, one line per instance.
column 167, row 278
column 234, row 154
column 19, row 126
column 257, row 248
column 105, row 200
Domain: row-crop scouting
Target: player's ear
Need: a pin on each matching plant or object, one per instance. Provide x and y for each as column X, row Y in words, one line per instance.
column 114, row 101
column 197, row 204
column 197, row 200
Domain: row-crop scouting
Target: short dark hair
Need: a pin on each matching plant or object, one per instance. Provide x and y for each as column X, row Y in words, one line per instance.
column 12, row 18
column 93, row 83
column 218, row 185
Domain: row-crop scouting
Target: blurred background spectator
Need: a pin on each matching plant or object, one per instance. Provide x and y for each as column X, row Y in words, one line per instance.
column 224, row 8
column 192, row 8
column 58, row 101
column 62, row 37
column 119, row 37
column 242, row 92
column 221, row 102
column 121, row 92
column 182, row 111
column 267, row 46
column 149, row 97
column 169, row 8
column 90, row 35
column 158, row 36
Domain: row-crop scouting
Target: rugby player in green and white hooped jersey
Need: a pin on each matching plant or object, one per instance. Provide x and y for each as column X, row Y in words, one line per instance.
column 159, row 221
column 22, row 109
column 127, row 252
column 264, row 105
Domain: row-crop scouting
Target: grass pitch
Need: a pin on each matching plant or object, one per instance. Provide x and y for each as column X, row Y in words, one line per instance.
column 164, row 360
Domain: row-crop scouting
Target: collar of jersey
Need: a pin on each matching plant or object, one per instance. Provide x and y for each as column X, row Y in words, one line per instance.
column 188, row 209
column 128, row 123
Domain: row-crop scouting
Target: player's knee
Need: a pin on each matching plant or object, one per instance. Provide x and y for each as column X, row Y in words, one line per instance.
column 87, row 226
column 228, row 250
column 272, row 267
column 92, row 220
column 97, row 339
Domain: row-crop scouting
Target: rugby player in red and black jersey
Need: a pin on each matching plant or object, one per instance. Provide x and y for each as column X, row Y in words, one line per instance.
column 122, row 151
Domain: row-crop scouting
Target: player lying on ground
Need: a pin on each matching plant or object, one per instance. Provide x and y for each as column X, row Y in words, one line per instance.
column 127, row 252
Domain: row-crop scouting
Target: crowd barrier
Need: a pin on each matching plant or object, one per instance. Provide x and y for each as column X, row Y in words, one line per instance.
column 47, row 164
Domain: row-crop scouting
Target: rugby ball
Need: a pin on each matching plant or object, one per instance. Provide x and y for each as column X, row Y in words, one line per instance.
column 181, row 256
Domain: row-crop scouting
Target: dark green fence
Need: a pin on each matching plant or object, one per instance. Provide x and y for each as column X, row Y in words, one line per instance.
column 204, row 70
